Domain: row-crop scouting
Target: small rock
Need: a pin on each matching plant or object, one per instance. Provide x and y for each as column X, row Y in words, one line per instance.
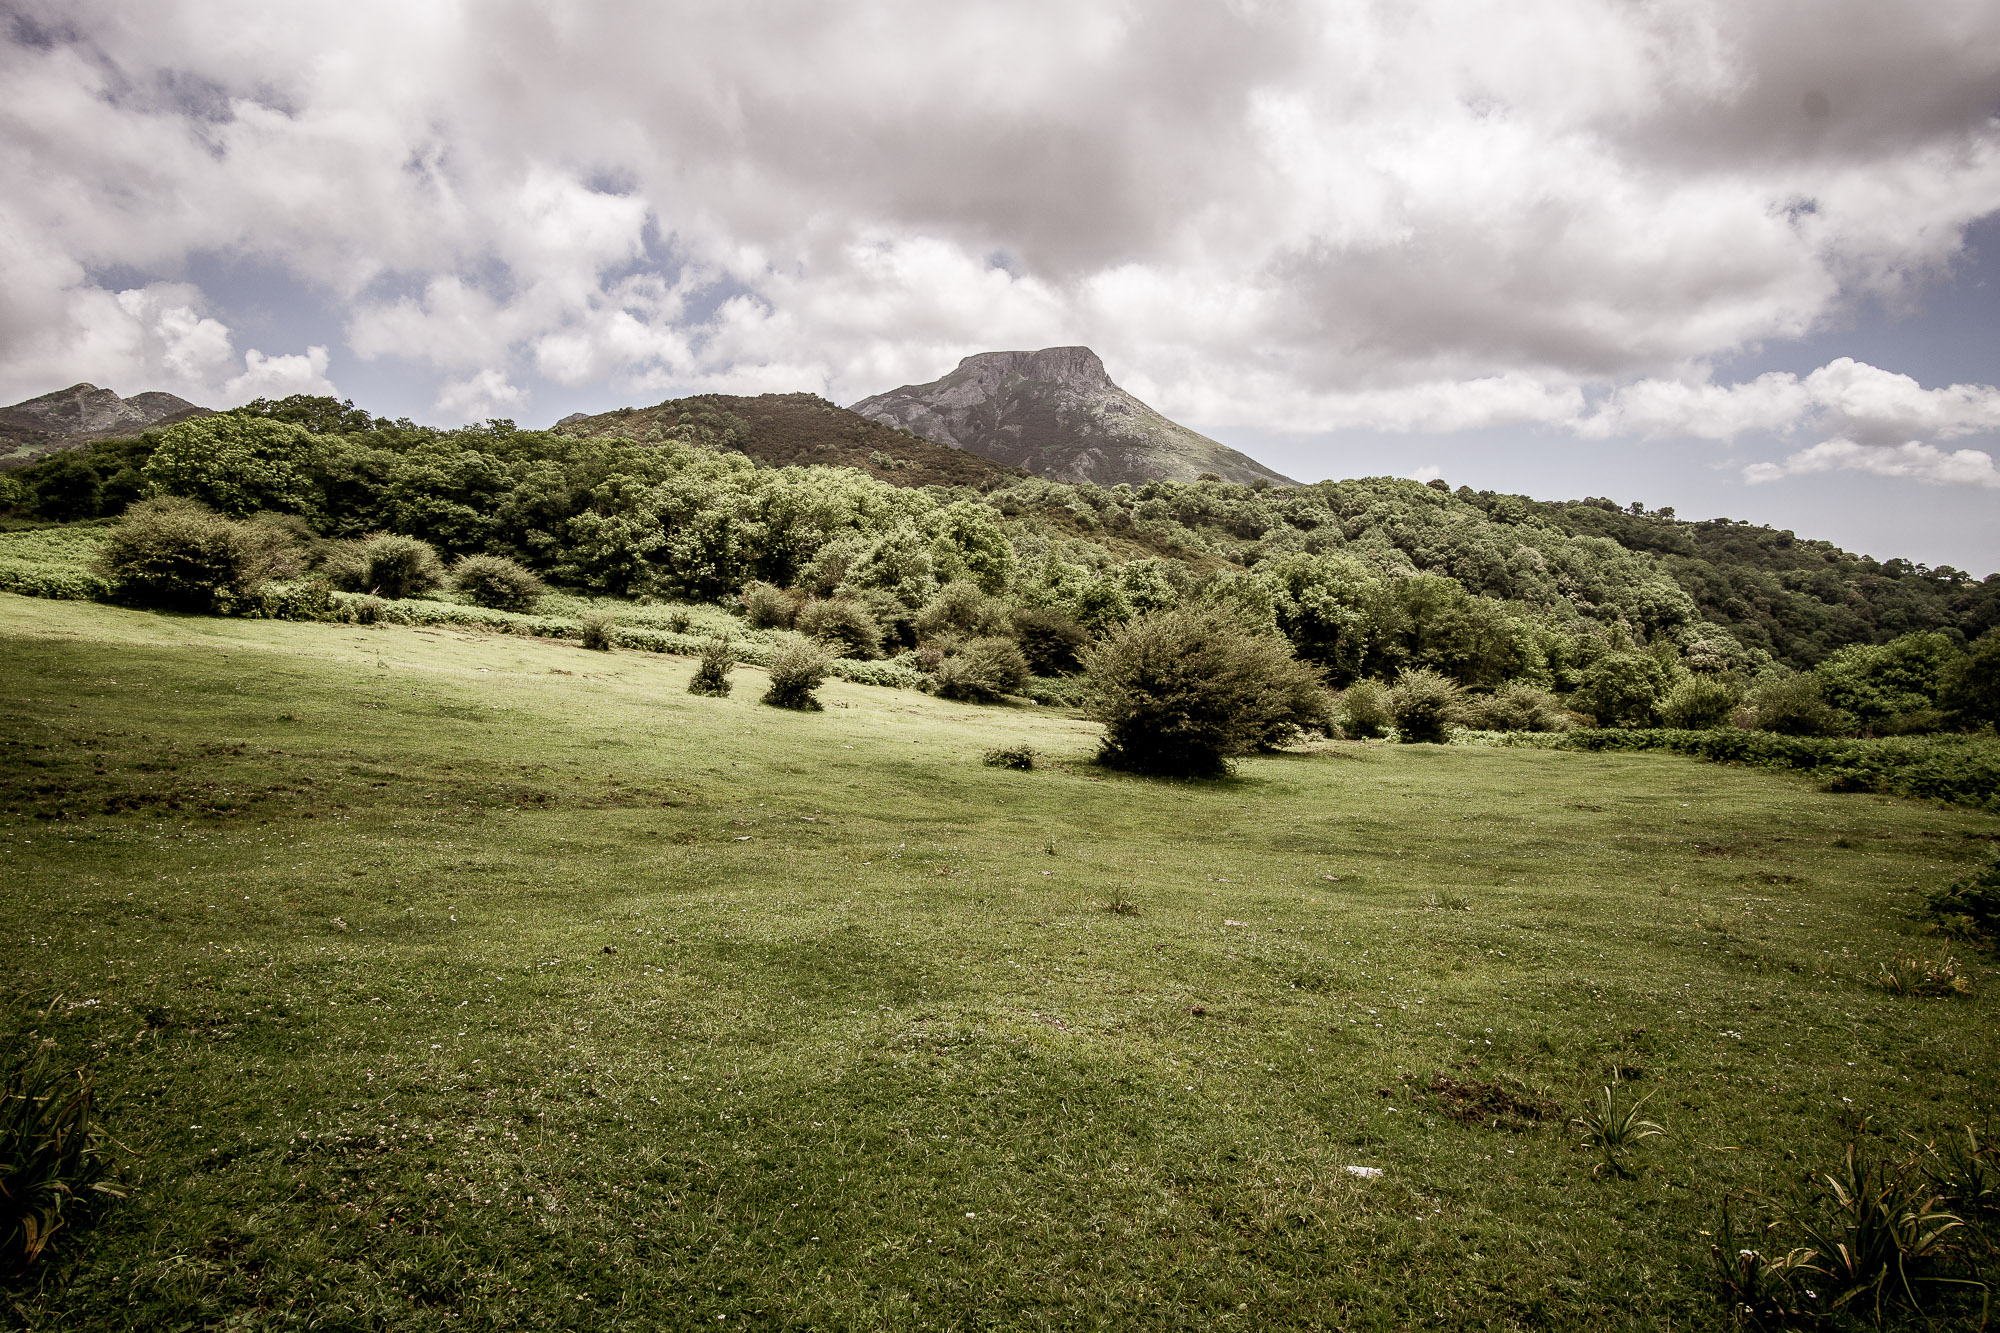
column 1365, row 1172
column 611, row 948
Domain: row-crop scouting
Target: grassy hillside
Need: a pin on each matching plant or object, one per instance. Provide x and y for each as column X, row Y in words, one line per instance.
column 800, row 430
column 440, row 979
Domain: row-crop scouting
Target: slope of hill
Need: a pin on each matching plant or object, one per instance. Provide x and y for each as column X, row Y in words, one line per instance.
column 1056, row 413
column 797, row 430
column 81, row 414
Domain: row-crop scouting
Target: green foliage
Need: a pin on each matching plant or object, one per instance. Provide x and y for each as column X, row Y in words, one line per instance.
column 57, row 562
column 960, row 608
column 304, row 599
column 843, row 625
column 238, row 464
column 1699, row 702
column 1181, row 693
column 797, row 665
column 1622, row 690
column 1052, row 642
column 1875, row 683
column 1970, row 905
column 395, row 566
column 769, row 607
column 179, row 554
column 1963, row 770
column 67, row 487
column 1795, row 707
column 1514, row 707
column 597, row 630
column 982, row 671
column 55, row 1158
column 969, row 543
column 497, row 582
column 1425, row 704
column 711, row 673
column 1921, row 974
column 1970, row 689
column 1364, row 710
column 1614, row 1130
column 1020, row 757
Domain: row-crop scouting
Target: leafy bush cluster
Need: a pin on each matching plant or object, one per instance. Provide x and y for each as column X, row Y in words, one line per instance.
column 1963, row 770
column 56, row 1161
column 1182, row 692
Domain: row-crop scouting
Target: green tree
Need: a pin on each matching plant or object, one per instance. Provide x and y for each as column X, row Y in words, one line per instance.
column 1623, row 690
column 238, row 465
column 1971, row 689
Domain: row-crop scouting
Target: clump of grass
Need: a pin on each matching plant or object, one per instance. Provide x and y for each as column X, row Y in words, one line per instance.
column 1614, row 1130
column 1119, row 905
column 1920, row 974
column 1870, row 1236
column 55, row 1158
column 1446, row 901
column 1011, row 756
column 711, row 673
column 597, row 630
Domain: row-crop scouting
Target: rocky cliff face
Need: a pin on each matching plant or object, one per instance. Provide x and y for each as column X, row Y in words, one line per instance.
column 82, row 413
column 1056, row 413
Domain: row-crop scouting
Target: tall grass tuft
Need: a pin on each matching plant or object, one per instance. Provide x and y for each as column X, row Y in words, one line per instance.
column 55, row 1159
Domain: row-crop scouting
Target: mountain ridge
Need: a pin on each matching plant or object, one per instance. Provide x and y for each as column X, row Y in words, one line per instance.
column 84, row 414
column 1057, row 413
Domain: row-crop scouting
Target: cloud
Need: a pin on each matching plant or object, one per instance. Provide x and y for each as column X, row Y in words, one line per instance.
column 1292, row 214
column 1913, row 460
column 480, row 397
column 279, row 377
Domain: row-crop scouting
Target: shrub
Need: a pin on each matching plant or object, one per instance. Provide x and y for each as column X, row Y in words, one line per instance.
column 1425, row 705
column 363, row 610
column 1182, row 692
column 308, row 599
column 1011, row 756
column 179, row 554
column 797, row 666
column 344, row 564
column 1972, row 904
column 711, row 673
column 983, row 670
column 1622, row 690
column 1920, row 974
column 1052, row 642
column 1699, row 703
column 844, row 626
column 1515, row 707
column 767, row 606
column 1794, row 707
column 396, row 566
column 961, row 608
column 495, row 581
column 55, row 1160
column 596, row 630
column 1364, row 710
column 1971, row 686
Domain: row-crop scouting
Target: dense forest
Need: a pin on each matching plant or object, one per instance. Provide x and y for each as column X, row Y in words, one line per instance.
column 1367, row 578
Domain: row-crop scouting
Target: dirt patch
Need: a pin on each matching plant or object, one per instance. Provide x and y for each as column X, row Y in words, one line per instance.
column 1507, row 1104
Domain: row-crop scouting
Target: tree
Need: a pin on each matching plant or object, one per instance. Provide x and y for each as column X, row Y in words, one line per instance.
column 1972, row 687
column 1182, row 692
column 237, row 465
column 179, row 554
column 1622, row 690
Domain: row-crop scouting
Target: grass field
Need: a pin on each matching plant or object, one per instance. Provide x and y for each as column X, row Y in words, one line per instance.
column 449, row 980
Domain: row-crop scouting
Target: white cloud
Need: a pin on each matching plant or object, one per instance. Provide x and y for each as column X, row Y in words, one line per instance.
column 1847, row 397
column 479, row 397
column 1913, row 460
column 1294, row 214
column 278, row 377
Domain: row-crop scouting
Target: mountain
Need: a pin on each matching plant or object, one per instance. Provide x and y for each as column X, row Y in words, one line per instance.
column 1056, row 413
column 795, row 430
column 83, row 413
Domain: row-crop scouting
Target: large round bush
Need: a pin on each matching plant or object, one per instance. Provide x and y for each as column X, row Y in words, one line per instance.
column 497, row 582
column 180, row 554
column 1182, row 692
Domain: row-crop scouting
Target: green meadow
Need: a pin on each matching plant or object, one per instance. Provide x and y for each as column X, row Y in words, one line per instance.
column 442, row 979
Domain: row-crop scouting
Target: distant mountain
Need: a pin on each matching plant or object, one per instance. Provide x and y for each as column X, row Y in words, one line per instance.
column 1056, row 413
column 795, row 430
column 83, row 413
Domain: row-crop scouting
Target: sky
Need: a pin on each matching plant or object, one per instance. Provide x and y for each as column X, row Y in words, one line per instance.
column 1738, row 259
